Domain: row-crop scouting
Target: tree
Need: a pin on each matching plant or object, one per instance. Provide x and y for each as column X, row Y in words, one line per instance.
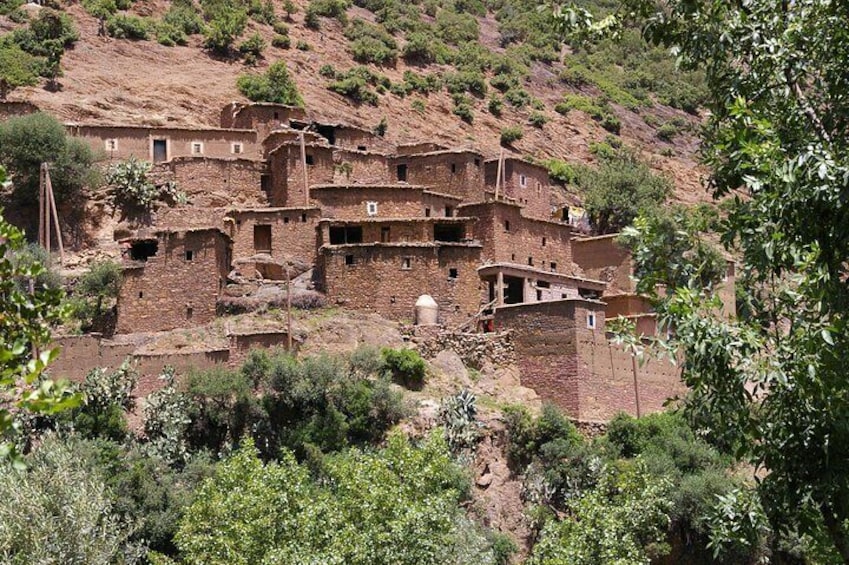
column 226, row 20
column 17, row 68
column 96, row 292
column 28, row 141
column 274, row 86
column 772, row 385
column 25, row 321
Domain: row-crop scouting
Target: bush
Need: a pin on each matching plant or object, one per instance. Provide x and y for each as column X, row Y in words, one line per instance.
column 17, row 68
column 461, row 82
column 667, row 132
column 131, row 189
column 355, row 84
column 252, row 48
column 281, row 41
column 463, row 108
column 511, row 134
column 495, row 106
column 537, row 119
column 169, row 36
column 95, row 294
column 274, row 86
column 45, row 32
column 517, row 97
column 562, row 171
column 327, row 8
column 225, row 22
column 122, row 26
column 422, row 48
column 371, row 44
column 423, row 84
column 290, row 8
column 601, row 113
column 418, row 105
column 183, row 15
column 302, row 45
column 262, row 12
column 456, row 29
column 406, row 367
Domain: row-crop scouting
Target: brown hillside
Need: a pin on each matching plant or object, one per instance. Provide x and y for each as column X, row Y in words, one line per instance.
column 141, row 82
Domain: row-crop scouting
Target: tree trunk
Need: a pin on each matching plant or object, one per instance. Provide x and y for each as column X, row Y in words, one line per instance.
column 834, row 525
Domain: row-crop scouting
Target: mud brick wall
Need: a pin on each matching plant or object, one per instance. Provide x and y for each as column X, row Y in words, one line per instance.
column 189, row 216
column 359, row 139
column 455, row 173
column 138, row 141
column 360, row 167
column 509, row 237
column 220, row 182
column 576, row 367
column 287, row 172
column 350, row 201
column 262, row 117
column 80, row 354
column 378, row 281
column 169, row 291
column 293, row 232
column 601, row 258
column 439, row 205
column 626, row 305
column 534, row 196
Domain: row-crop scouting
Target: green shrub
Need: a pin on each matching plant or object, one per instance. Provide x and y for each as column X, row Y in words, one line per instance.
column 302, row 45
column 252, row 48
column 327, row 71
column 262, row 12
column 461, row 82
column 355, row 84
column 225, row 22
column 281, row 41
column 17, row 68
column 463, row 108
column 456, row 29
column 517, row 97
column 168, row 35
column 495, row 106
column 274, row 86
column 423, row 48
column 405, row 366
column 511, row 134
column 183, row 15
column 562, row 171
column 49, row 29
column 423, row 84
column 290, row 8
column 123, row 26
column 537, row 119
column 96, row 293
column 601, row 113
column 280, row 28
column 337, row 9
column 419, row 106
column 667, row 132
column 371, row 43
column 504, row 82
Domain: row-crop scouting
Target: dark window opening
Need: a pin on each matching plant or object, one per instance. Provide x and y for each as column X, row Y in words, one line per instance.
column 588, row 293
column 141, row 294
column 340, row 235
column 361, row 147
column 276, row 115
column 477, row 162
column 384, row 234
column 512, row 256
column 265, row 184
column 190, row 255
column 160, row 150
column 449, row 212
column 406, row 263
column 452, row 273
column 453, row 167
column 427, row 212
column 448, row 232
column 310, row 160
column 514, row 290
column 539, row 295
column 303, row 218
column 543, row 284
column 141, row 250
column 531, row 261
column 327, row 132
column 297, row 125
column 349, row 260
column 543, row 242
column 238, row 222
column 285, row 219
column 553, row 266
column 189, row 312
column 401, row 172
column 506, row 225
column 262, row 239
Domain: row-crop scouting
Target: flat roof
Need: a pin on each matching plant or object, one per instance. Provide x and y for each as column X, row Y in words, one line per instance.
column 517, row 268
column 158, row 128
column 401, row 245
column 270, row 210
column 417, row 219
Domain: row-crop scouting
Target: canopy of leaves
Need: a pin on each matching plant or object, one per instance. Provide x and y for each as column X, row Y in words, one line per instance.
column 274, row 86
column 17, row 68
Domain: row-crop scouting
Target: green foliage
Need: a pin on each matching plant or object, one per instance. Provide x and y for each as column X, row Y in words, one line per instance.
column 562, row 171
column 423, row 84
column 381, row 128
column 17, row 68
column 418, row 105
column 96, row 293
column 517, row 97
column 459, row 416
column 262, row 11
column 337, row 9
column 423, row 48
column 510, row 134
column 302, row 45
column 405, row 366
column 371, row 43
column 274, row 86
column 619, row 189
column 28, row 141
column 463, row 108
column 622, row 520
column 106, row 397
column 59, row 511
column 252, row 48
column 398, row 505
column 124, row 26
column 290, row 8
column 182, row 15
column 456, row 29
column 47, row 35
column 356, row 84
column 130, row 186
column 166, row 421
column 461, row 82
column 281, row 41
column 537, row 119
column 33, row 254
column 600, row 112
column 226, row 21
column 495, row 106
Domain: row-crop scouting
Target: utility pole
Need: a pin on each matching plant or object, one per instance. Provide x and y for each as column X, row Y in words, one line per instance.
column 636, row 385
column 306, row 175
column 498, row 173
column 288, row 307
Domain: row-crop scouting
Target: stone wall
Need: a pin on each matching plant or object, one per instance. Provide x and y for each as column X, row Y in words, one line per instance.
column 169, row 290
column 457, row 173
column 389, row 278
column 351, row 201
column 509, row 237
column 137, row 141
column 524, row 182
column 219, row 182
column 293, row 232
column 360, row 167
column 13, row 109
column 260, row 116
column 287, row 172
column 601, row 258
column 473, row 348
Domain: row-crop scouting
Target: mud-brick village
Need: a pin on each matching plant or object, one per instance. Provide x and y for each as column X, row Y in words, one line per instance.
column 458, row 246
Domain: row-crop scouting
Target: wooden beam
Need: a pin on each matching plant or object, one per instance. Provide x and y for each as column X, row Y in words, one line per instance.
column 306, row 175
column 52, row 200
column 41, row 207
column 498, row 173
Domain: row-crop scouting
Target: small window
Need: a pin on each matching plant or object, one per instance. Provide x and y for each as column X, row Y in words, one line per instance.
column 190, row 255
column 512, row 256
column 539, row 295
column 453, row 168
column 523, row 181
column 197, row 148
column 543, row 242
column 371, row 208
column 303, row 218
column 452, row 273
column 401, row 173
column 236, row 149
column 112, row 145
column 449, row 212
column 477, row 162
column 553, row 266
column 384, row 234
column 406, row 263
column 591, row 320
column 506, row 225
column 285, row 219
column 141, row 294
column 310, row 159
column 189, row 312
column 531, row 261
column 539, row 187
column 361, row 147
column 427, row 212
column 349, row 260
column 276, row 115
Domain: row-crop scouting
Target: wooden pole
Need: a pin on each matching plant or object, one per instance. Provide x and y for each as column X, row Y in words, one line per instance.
column 288, row 308
column 41, row 207
column 636, row 385
column 498, row 173
column 306, row 175
column 46, row 210
column 55, row 216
